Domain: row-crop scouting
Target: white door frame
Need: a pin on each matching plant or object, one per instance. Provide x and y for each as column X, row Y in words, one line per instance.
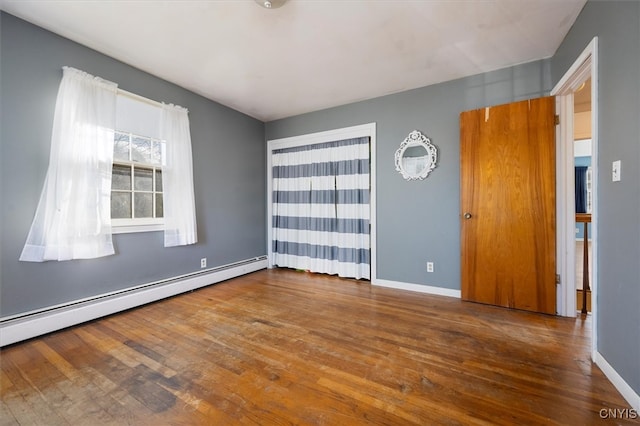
column 584, row 67
column 361, row 131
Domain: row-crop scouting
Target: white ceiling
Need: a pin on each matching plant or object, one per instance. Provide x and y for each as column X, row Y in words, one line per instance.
column 309, row 54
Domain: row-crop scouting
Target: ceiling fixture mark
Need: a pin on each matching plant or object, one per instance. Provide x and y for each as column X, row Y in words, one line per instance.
column 271, row 4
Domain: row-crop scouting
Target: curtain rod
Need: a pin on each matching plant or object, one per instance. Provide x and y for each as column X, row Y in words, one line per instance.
column 118, row 90
column 139, row 98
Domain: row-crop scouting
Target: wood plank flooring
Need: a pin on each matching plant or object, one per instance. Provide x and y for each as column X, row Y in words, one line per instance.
column 280, row 347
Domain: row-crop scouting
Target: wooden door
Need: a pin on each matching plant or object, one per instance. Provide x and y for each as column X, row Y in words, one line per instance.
column 508, row 205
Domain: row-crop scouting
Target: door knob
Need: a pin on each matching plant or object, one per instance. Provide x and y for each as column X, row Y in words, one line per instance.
column 467, row 215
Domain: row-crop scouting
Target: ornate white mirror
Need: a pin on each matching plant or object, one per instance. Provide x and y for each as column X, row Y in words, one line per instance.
column 416, row 157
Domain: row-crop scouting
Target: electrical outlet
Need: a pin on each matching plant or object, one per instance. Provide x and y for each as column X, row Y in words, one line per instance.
column 429, row 266
column 203, row 262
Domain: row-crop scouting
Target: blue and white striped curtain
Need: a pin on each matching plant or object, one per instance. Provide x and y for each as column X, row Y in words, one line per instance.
column 321, row 208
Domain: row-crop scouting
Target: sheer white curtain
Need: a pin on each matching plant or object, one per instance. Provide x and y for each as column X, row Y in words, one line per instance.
column 73, row 218
column 177, row 178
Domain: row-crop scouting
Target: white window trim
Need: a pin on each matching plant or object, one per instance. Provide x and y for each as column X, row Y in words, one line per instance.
column 130, row 226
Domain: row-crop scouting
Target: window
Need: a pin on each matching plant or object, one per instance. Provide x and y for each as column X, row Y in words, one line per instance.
column 136, row 183
column 149, row 186
column 138, row 156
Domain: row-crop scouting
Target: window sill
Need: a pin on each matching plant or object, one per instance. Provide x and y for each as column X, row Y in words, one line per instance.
column 133, row 228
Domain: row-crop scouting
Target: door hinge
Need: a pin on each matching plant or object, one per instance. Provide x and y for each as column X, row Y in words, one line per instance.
column 557, row 119
column 558, row 279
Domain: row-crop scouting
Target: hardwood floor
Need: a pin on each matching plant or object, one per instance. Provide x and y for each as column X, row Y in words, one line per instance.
column 283, row 347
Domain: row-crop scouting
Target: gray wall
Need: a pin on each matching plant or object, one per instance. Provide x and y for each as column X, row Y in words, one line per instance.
column 229, row 173
column 617, row 26
column 419, row 221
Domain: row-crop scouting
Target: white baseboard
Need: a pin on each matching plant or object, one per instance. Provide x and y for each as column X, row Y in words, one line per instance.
column 56, row 318
column 632, row 397
column 440, row 291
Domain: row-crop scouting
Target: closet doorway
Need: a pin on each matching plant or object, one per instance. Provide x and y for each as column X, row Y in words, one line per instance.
column 321, row 202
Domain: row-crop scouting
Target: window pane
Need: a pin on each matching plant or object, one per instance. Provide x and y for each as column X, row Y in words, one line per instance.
column 159, row 207
column 141, row 149
column 121, row 177
column 121, row 147
column 120, row 205
column 143, row 179
column 156, row 153
column 142, row 203
column 158, row 180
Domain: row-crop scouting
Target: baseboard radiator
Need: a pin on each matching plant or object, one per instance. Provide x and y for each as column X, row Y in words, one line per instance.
column 36, row 323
